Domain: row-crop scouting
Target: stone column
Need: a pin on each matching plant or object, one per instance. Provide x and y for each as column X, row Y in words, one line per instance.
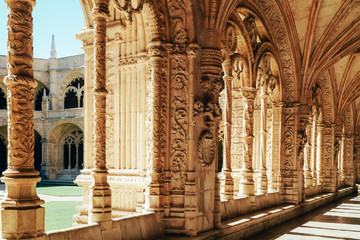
column 276, row 144
column 314, row 152
column 21, row 213
column 307, row 156
column 348, row 164
column 329, row 158
column 246, row 184
column 228, row 184
column 153, row 193
column 263, row 181
column 100, row 193
column 336, row 162
column 320, row 155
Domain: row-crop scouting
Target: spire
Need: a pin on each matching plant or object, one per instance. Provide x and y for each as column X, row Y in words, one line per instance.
column 53, row 48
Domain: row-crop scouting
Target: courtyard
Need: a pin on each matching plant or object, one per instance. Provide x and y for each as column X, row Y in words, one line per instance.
column 60, row 203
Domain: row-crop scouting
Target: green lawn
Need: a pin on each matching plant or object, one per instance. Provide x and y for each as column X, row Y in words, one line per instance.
column 58, row 215
column 59, row 191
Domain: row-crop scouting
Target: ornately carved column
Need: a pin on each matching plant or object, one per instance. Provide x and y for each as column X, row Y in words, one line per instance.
column 100, row 193
column 228, row 186
column 263, row 181
column 336, row 162
column 22, row 217
column 154, row 122
column 320, row 155
column 314, row 152
column 307, row 156
column 246, row 184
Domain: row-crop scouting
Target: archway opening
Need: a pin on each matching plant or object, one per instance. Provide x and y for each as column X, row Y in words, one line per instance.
column 39, row 98
column 74, row 94
column 37, row 151
column 3, row 103
column 3, row 151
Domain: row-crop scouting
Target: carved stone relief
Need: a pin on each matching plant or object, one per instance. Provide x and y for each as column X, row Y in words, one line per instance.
column 206, row 148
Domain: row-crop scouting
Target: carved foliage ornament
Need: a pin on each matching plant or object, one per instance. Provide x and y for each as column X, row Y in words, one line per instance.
column 129, row 7
column 206, row 148
column 251, row 28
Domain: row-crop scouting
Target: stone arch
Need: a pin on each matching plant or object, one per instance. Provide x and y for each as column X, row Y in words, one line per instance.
column 67, row 80
column 272, row 18
column 74, row 93
column 56, row 145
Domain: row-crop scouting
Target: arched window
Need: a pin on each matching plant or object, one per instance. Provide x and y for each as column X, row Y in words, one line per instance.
column 3, row 104
column 74, row 94
column 39, row 98
column 73, row 151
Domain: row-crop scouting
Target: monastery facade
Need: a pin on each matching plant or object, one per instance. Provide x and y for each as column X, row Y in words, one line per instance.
column 197, row 115
column 58, row 116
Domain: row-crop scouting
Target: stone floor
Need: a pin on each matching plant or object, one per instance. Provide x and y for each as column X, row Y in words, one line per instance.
column 338, row 220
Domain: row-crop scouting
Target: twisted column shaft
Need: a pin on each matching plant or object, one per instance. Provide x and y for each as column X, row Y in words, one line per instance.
column 100, row 193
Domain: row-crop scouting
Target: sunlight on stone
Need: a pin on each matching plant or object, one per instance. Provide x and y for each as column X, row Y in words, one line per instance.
column 337, row 226
column 301, row 237
column 326, row 232
column 342, row 214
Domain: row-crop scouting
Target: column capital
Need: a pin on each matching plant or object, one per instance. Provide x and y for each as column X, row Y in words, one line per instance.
column 100, row 8
column 248, row 93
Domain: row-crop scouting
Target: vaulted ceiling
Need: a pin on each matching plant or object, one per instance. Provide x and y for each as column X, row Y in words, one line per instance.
column 328, row 35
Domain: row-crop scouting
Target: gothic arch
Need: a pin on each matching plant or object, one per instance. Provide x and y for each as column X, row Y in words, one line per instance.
column 272, row 18
column 67, row 80
column 56, row 145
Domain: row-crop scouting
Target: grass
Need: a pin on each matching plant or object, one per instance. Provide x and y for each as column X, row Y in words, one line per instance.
column 59, row 191
column 58, row 215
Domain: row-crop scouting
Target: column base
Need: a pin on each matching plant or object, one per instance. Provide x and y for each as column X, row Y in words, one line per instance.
column 262, row 182
column 227, row 186
column 100, row 197
column 21, row 213
column 246, row 183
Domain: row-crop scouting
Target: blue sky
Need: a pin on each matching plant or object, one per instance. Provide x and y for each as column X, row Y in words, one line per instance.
column 63, row 18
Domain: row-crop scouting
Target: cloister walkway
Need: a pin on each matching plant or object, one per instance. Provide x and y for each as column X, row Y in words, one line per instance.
column 337, row 220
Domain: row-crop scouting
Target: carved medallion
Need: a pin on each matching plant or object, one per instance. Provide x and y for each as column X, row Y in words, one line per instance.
column 206, row 148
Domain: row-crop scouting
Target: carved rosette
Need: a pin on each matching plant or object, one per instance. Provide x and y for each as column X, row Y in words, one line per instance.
column 206, row 148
